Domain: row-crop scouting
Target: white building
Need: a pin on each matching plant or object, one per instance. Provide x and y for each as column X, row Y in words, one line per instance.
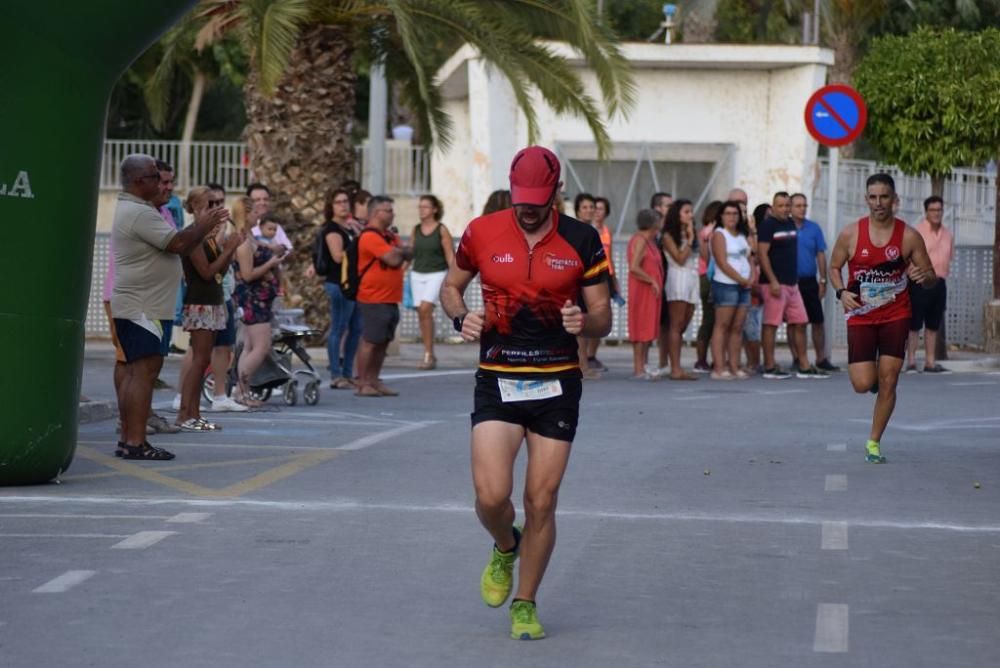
column 707, row 118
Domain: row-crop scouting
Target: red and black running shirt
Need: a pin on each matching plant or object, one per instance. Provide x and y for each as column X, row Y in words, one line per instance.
column 524, row 290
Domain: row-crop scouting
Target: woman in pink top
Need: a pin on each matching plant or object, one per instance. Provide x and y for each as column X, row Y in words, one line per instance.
column 645, row 278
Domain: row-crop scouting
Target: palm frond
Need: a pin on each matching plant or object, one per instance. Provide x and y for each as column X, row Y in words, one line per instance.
column 273, row 28
column 507, row 44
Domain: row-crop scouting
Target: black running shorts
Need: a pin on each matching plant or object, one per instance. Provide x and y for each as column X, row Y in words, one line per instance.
column 554, row 418
column 928, row 306
column 865, row 343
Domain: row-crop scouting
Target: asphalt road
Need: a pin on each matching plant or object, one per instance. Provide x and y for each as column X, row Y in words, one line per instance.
column 701, row 524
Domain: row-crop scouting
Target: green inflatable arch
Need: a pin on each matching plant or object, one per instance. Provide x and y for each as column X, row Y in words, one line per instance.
column 60, row 60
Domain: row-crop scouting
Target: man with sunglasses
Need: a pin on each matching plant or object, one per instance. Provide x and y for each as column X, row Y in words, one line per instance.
column 147, row 270
column 534, row 263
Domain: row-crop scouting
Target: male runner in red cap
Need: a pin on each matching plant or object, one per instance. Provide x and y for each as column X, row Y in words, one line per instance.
column 533, row 263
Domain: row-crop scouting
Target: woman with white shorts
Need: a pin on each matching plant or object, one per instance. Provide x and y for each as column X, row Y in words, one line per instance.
column 683, row 287
column 433, row 254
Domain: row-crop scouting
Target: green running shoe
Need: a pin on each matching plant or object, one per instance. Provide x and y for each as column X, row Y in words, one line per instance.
column 524, row 621
column 874, row 455
column 498, row 576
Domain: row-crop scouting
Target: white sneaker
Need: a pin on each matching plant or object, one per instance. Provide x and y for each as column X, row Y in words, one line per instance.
column 227, row 404
column 176, row 404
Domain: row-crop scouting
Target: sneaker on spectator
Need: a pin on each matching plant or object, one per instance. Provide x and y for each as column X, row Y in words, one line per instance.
column 825, row 365
column 776, row 374
column 811, row 373
column 160, row 425
column 937, row 368
column 594, row 363
column 226, row 405
column 912, row 369
column 701, row 367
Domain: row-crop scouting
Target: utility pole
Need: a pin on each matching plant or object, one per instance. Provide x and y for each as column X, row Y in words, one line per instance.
column 377, row 113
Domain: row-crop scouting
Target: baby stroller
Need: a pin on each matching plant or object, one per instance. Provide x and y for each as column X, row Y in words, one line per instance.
column 288, row 336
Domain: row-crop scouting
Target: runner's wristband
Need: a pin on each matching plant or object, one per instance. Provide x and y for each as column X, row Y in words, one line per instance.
column 840, row 291
column 458, row 321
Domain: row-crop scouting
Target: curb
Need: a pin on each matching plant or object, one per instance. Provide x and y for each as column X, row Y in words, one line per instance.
column 95, row 411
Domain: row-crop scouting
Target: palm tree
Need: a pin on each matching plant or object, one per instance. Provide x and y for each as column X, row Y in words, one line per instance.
column 300, row 91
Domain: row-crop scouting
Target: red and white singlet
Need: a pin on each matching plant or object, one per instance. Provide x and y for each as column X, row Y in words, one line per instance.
column 878, row 275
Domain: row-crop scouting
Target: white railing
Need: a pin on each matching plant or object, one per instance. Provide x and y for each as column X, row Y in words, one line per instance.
column 225, row 163
column 969, row 198
column 228, row 164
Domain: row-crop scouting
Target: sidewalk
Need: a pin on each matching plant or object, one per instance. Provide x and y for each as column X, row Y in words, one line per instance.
column 99, row 358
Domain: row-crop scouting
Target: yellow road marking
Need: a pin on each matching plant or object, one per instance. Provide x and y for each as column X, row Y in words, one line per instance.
column 184, row 467
column 294, row 464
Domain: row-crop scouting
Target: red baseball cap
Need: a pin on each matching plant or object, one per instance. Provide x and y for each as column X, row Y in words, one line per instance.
column 534, row 175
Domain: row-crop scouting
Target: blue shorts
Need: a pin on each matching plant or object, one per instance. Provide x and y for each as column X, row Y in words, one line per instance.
column 140, row 339
column 724, row 294
column 227, row 336
column 751, row 326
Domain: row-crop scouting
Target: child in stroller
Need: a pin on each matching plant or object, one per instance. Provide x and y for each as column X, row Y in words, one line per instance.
column 288, row 336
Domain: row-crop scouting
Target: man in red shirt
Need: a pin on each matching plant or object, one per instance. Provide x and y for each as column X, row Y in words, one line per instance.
column 883, row 255
column 534, row 264
column 380, row 290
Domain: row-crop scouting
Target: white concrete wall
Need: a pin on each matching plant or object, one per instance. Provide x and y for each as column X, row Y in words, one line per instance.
column 756, row 105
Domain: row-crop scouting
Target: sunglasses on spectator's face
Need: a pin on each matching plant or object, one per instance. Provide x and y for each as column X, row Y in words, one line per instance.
column 212, row 203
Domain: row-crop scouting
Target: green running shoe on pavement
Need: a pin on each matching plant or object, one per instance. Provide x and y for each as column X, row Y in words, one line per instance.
column 524, row 621
column 874, row 455
column 498, row 576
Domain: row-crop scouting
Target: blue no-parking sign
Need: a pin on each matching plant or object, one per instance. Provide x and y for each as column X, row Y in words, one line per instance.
column 836, row 115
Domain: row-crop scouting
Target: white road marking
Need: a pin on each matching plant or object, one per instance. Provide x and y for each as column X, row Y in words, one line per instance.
column 971, row 384
column 429, row 374
column 837, row 447
column 64, row 582
column 944, row 425
column 831, row 628
column 349, row 505
column 205, row 445
column 836, row 483
column 695, row 397
column 44, row 516
column 774, row 392
column 142, row 540
column 834, row 536
column 373, row 439
column 63, row 535
column 188, row 518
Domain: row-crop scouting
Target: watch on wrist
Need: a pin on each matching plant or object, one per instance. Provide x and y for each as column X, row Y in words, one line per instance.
column 458, row 321
column 822, row 281
column 840, row 291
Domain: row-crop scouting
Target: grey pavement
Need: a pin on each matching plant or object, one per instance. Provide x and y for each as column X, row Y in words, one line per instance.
column 701, row 524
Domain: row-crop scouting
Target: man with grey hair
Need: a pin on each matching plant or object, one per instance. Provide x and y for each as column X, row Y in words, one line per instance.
column 147, row 270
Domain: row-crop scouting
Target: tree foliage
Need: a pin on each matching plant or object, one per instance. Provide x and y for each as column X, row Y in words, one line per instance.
column 505, row 32
column 933, row 98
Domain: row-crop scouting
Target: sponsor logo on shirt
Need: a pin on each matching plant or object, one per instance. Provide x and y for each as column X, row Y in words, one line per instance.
column 558, row 263
column 864, row 252
column 891, row 253
column 506, row 258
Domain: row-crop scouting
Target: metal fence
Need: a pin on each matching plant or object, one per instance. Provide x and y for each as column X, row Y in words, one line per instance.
column 970, row 198
column 228, row 163
column 969, row 287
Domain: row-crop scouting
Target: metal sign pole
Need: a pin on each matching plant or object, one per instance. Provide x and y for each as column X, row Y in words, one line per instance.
column 831, row 308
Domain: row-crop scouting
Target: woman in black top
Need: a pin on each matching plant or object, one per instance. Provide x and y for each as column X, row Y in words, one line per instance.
column 345, row 318
column 204, row 308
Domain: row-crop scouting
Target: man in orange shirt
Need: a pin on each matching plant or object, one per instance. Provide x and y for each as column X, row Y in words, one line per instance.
column 380, row 290
column 929, row 305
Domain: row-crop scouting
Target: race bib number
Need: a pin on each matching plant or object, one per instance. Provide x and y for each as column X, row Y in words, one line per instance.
column 878, row 294
column 528, row 390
